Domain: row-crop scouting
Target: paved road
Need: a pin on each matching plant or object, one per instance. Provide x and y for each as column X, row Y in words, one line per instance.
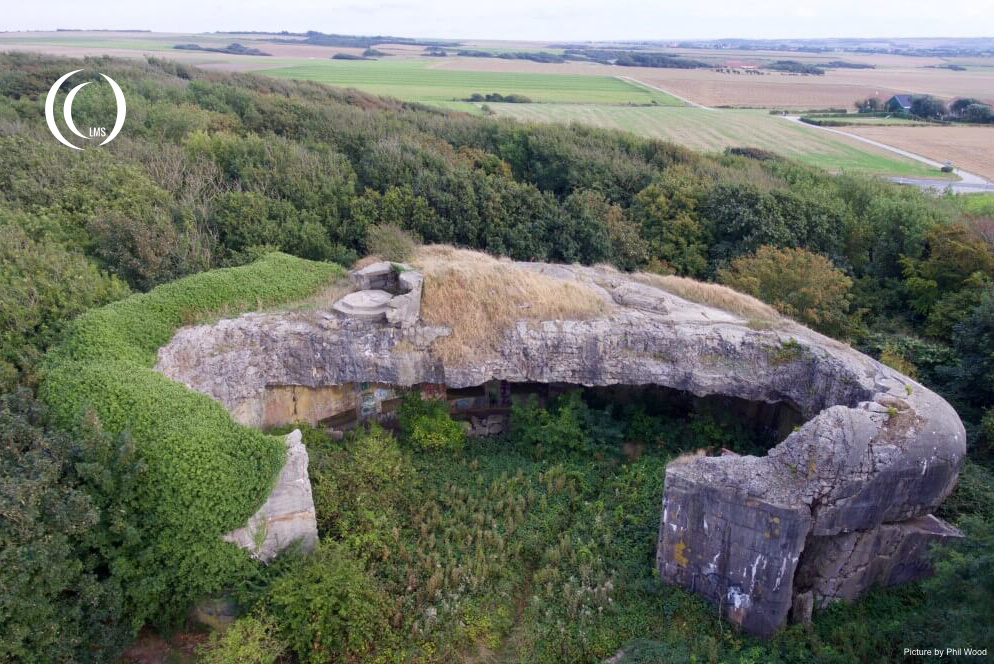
column 942, row 185
column 686, row 101
column 969, row 182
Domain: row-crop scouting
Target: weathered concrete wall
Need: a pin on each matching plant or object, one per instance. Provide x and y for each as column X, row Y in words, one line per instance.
column 285, row 404
column 737, row 550
column 853, row 490
column 839, row 567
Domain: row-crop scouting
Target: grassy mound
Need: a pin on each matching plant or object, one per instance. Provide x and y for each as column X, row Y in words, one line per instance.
column 204, row 474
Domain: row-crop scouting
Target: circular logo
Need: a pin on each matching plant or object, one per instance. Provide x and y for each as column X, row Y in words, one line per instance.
column 95, row 132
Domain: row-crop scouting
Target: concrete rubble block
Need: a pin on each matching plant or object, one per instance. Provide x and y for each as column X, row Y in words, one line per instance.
column 844, row 566
column 288, row 514
column 491, row 425
column 738, row 551
column 802, row 608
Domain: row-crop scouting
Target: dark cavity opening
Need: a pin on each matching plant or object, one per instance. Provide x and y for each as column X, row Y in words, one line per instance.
column 642, row 417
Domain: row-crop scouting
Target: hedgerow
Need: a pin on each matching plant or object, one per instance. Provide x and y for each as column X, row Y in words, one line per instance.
column 204, row 474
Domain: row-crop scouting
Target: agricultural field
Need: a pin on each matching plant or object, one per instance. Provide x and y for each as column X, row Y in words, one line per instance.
column 719, row 129
column 838, row 88
column 971, row 148
column 421, row 80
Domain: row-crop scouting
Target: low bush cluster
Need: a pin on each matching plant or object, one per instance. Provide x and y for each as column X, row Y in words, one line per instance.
column 427, row 425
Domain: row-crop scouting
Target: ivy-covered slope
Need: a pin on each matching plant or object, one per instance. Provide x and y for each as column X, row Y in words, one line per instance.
column 204, row 474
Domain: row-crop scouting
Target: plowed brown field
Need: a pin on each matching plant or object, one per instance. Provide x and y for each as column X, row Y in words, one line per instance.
column 971, row 148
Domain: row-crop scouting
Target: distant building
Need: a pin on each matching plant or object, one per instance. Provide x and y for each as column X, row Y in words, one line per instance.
column 898, row 103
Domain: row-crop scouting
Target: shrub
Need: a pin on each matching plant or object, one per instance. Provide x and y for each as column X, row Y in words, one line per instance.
column 205, row 474
column 56, row 600
column 799, row 284
column 891, row 356
column 973, row 338
column 973, row 495
column 149, row 249
column 390, row 242
column 358, row 487
column 987, row 434
column 758, row 154
column 42, row 287
column 962, row 589
column 251, row 640
column 329, row 607
column 568, row 424
column 426, row 423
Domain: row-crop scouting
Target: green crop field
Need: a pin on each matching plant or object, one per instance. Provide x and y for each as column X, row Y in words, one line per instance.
column 416, row 80
column 716, row 130
column 97, row 43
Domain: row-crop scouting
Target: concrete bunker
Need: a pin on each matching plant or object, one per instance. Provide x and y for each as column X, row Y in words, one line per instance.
column 842, row 502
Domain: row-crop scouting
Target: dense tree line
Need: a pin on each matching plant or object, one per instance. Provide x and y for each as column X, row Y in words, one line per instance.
column 214, row 169
column 534, row 56
column 796, row 67
column 633, row 58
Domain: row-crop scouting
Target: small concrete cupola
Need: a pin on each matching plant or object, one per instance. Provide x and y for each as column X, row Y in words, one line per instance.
column 385, row 291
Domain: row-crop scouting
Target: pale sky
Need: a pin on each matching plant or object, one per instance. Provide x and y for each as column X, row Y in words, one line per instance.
column 523, row 19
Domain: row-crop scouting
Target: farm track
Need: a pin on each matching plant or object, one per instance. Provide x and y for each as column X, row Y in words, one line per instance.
column 686, row 101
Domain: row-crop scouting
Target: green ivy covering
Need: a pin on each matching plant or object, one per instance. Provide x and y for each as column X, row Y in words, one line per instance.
column 204, row 474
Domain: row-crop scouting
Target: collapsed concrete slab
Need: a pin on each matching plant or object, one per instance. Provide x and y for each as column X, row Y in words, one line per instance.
column 757, row 536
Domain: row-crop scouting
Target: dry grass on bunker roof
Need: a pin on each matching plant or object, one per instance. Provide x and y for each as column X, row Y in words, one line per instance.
column 714, row 295
column 479, row 297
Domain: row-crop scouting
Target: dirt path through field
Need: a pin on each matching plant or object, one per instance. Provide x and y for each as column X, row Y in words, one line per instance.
column 686, row 101
column 969, row 182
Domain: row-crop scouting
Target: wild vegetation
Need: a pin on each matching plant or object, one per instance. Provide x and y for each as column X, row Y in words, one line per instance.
column 538, row 546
